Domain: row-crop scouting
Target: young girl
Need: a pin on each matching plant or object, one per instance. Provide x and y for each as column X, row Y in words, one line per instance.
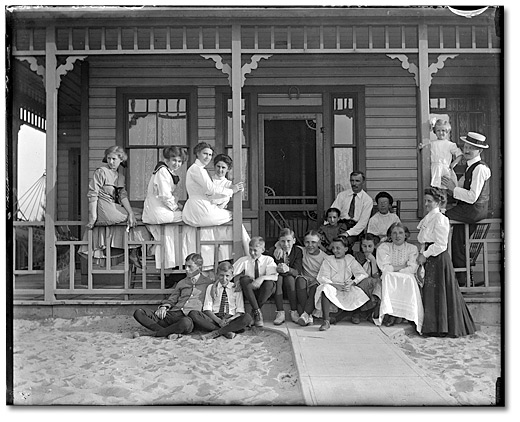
column 401, row 295
column 383, row 218
column 289, row 266
column 338, row 277
column 161, row 206
column 108, row 205
column 223, row 164
column 223, row 311
column 442, row 151
column 331, row 230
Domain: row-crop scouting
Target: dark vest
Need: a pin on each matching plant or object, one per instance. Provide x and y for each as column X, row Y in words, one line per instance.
column 483, row 199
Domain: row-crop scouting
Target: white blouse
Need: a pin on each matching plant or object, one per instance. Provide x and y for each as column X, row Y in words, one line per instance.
column 389, row 256
column 434, row 228
column 340, row 271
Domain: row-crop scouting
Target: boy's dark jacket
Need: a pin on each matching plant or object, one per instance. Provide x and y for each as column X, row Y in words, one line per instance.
column 295, row 260
column 182, row 292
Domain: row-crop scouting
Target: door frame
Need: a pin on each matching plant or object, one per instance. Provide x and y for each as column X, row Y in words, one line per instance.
column 320, row 179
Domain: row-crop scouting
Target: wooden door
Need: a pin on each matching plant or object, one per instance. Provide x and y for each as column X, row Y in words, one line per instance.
column 291, row 176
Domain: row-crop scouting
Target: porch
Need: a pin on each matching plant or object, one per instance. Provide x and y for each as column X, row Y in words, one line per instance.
column 357, row 88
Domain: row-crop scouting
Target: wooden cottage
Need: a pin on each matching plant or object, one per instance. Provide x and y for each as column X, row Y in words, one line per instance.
column 299, row 97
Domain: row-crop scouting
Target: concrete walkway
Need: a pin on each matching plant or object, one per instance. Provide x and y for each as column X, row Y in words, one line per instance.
column 358, row 365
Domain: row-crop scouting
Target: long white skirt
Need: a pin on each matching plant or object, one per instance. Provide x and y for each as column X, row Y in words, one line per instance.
column 348, row 301
column 401, row 298
column 172, row 245
column 225, row 252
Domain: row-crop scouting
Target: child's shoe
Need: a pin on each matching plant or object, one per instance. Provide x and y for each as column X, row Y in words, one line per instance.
column 325, row 326
column 259, row 319
column 230, row 335
column 356, row 319
column 311, row 320
column 294, row 316
column 279, row 318
column 304, row 319
column 174, row 336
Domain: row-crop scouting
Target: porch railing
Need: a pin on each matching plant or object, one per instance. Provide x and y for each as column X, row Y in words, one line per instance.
column 484, row 241
column 75, row 281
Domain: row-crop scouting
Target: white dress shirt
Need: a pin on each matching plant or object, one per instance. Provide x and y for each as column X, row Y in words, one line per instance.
column 363, row 208
column 481, row 173
column 235, row 299
column 266, row 267
column 434, row 228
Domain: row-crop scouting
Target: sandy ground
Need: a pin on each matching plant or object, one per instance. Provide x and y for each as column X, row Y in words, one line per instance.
column 93, row 361
column 466, row 367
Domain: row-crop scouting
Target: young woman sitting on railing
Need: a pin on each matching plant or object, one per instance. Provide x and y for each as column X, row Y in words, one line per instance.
column 162, row 206
column 200, row 211
column 109, row 206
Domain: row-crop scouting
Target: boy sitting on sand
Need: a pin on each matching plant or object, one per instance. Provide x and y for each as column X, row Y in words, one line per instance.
column 171, row 317
column 223, row 312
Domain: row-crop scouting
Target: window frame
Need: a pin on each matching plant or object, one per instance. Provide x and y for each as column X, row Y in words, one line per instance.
column 123, row 94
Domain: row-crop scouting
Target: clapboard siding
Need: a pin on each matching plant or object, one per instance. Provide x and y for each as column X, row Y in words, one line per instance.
column 106, row 74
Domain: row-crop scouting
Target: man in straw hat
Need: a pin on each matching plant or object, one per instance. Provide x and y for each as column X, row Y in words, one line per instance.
column 472, row 194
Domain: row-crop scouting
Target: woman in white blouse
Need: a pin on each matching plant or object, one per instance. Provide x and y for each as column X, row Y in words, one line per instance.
column 445, row 311
column 161, row 206
column 199, row 211
column 401, row 296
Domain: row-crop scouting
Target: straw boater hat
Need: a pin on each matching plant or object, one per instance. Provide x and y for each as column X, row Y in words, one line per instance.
column 475, row 139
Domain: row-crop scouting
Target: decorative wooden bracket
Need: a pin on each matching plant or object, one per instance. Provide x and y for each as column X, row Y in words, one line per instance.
column 406, row 65
column 219, row 64
column 65, row 67
column 35, row 67
column 246, row 69
column 435, row 67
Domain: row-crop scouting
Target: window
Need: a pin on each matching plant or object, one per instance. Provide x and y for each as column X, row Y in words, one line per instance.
column 153, row 122
column 344, row 140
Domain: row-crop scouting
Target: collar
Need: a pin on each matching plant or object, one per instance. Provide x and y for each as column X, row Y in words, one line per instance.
column 361, row 192
column 428, row 217
column 473, row 161
column 199, row 163
column 196, row 278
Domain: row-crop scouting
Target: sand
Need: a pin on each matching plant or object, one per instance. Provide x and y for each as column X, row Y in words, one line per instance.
column 466, row 368
column 94, row 361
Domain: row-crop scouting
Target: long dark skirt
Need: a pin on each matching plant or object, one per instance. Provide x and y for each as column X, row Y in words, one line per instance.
column 445, row 311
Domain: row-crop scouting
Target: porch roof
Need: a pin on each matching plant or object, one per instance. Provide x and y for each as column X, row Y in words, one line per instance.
column 44, row 15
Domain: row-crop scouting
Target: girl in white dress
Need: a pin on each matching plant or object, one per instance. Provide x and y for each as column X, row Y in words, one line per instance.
column 337, row 288
column 443, row 151
column 162, row 206
column 199, row 211
column 401, row 296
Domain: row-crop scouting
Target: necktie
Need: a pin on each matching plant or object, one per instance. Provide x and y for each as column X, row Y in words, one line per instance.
column 285, row 258
column 224, row 303
column 352, row 207
column 257, row 271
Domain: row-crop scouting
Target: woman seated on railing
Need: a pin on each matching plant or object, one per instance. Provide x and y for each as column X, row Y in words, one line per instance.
column 401, row 296
column 108, row 206
column 162, row 206
column 199, row 211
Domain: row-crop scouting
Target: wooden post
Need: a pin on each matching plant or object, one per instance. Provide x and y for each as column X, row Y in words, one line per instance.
column 51, row 103
column 423, row 179
column 236, row 89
